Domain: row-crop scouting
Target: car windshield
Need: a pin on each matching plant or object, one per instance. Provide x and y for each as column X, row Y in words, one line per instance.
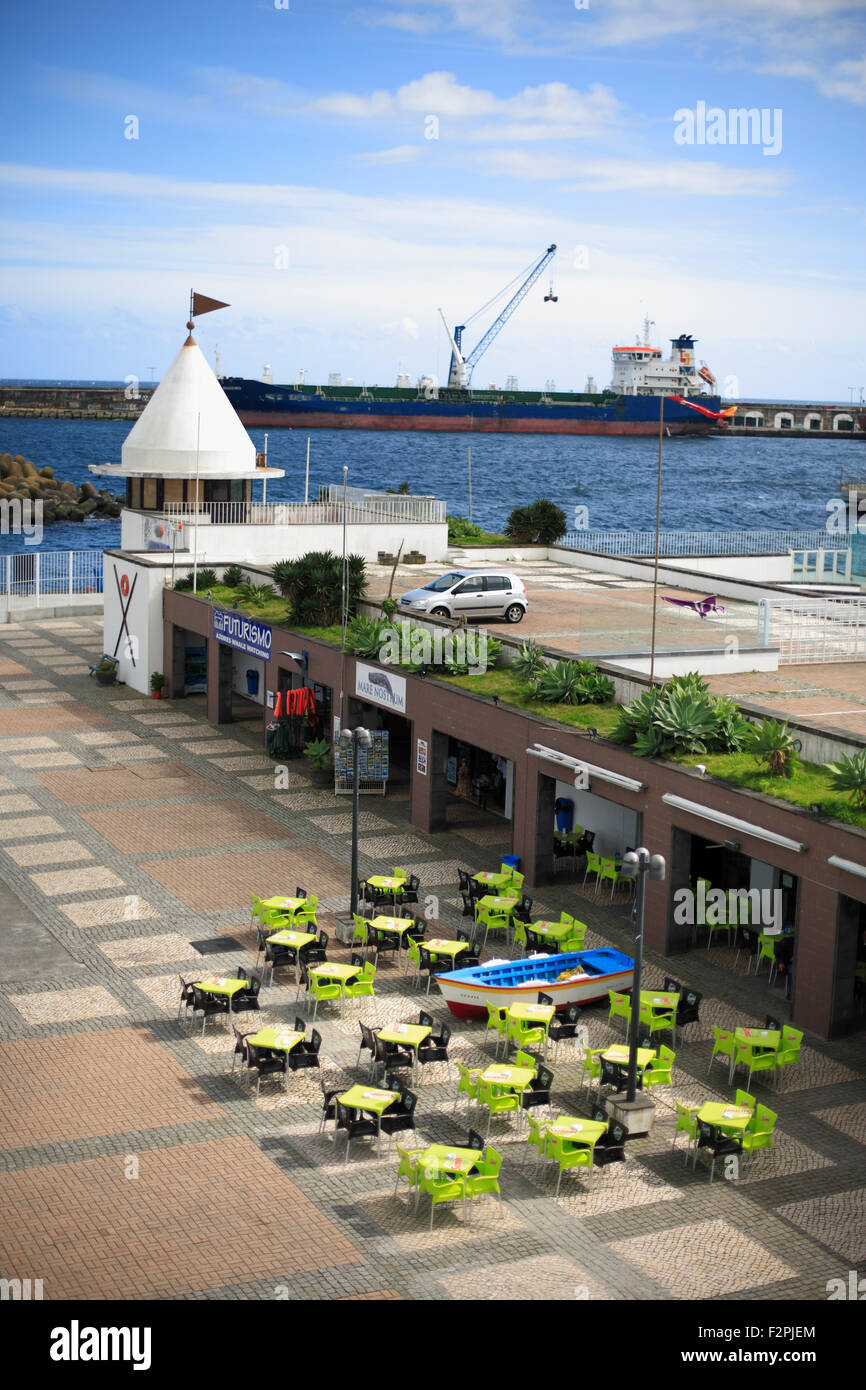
column 444, row 582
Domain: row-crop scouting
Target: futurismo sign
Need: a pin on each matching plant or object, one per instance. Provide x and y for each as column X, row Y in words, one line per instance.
column 380, row 687
column 245, row 635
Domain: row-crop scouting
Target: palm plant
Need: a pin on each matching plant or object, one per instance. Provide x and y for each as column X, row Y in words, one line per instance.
column 849, row 775
column 772, row 744
column 313, row 584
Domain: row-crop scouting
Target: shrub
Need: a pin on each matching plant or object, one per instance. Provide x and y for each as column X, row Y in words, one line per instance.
column 459, row 529
column 772, row 744
column 233, row 577
column 474, row 652
column 313, row 585
column 541, row 523
column 849, row 775
column 253, row 594
column 681, row 717
column 318, row 753
column 185, row 582
column 529, row 662
column 206, row 579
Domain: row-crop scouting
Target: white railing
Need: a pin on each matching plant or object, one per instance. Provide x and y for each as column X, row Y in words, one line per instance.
column 325, row 513
column 810, row 631
column 399, row 506
column 683, row 543
column 43, row 574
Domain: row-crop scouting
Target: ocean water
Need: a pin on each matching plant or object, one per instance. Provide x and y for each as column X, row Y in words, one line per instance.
column 728, row 484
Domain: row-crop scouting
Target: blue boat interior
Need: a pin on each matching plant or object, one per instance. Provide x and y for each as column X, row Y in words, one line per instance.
column 513, row 972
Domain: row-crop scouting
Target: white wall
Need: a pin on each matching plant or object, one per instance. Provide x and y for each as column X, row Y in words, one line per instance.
column 143, row 654
column 760, row 569
column 265, row 544
column 240, row 665
column 709, row 663
column 615, row 826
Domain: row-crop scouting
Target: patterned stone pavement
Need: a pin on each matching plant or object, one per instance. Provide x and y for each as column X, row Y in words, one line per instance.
column 133, row 835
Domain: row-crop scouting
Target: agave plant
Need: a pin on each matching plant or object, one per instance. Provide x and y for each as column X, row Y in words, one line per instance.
column 849, row 775
column 253, row 594
column 365, row 636
column 476, row 653
column 638, row 717
column 687, row 720
column 732, row 730
column 772, row 744
column 570, row 683
column 529, row 662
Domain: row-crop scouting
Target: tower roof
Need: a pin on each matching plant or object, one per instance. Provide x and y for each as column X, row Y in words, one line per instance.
column 188, row 416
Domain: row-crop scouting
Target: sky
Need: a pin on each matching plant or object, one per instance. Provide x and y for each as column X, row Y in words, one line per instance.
column 338, row 170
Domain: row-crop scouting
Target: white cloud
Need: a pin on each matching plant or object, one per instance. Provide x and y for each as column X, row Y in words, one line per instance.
column 400, row 154
column 689, row 177
column 845, row 80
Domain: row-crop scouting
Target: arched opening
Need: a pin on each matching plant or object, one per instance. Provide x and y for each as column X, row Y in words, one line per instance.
column 784, row 421
column 843, row 422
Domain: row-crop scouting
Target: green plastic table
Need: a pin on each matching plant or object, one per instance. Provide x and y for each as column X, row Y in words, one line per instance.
column 756, row 1040
column 619, row 1054
column 729, row 1117
column 287, row 937
column 658, row 1001
column 387, row 883
column 441, row 946
column 498, row 904
column 284, row 904
column 277, row 1039
column 557, row 931
column 532, row 1013
column 219, row 984
column 334, row 970
column 397, row 925
column 508, row 1078
column 368, row 1098
column 496, row 878
column 409, row 1035
column 577, row 1130
column 441, row 1158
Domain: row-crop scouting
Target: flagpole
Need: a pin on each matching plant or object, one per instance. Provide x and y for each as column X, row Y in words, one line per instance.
column 307, row 475
column 195, row 534
column 656, row 561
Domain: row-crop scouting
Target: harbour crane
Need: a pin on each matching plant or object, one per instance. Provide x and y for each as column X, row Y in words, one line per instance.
column 460, row 371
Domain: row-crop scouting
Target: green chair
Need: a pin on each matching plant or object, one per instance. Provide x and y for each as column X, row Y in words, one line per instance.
column 362, row 986
column 518, row 929
column 255, row 909
column 400, row 874
column 591, row 1066
column 745, row 1101
column 359, row 932
column 496, row 1102
column 413, row 957
column 610, row 870
column 654, row 1021
column 323, row 992
column 620, row 1007
column 753, row 1061
column 660, row 1070
column 497, row 1020
column 570, row 1156
column 759, row 1131
column 767, row 951
column 575, row 939
column 484, row 1177
column 524, row 1034
column 686, row 1124
column 525, row 1059
column 593, row 866
column 789, row 1049
column 536, row 1138
column 449, row 1188
column 492, row 921
column 516, row 884
column 467, row 1084
column 407, row 1169
column 723, row 1045
column 303, row 919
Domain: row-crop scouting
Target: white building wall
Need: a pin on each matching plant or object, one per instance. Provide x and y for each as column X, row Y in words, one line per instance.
column 141, row 651
column 263, row 545
column 615, row 826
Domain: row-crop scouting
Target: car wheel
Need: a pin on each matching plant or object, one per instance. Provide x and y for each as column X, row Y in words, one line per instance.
column 439, row 613
column 514, row 612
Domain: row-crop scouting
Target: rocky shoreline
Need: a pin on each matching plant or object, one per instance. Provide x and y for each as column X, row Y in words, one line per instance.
column 21, row 480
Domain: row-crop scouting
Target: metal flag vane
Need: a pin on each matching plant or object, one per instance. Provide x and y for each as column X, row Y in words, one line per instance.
column 200, row 304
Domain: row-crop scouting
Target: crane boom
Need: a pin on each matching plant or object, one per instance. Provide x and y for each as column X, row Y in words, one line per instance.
column 460, row 373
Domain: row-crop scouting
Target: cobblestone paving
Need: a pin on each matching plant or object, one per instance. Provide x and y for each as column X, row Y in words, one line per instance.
column 135, row 835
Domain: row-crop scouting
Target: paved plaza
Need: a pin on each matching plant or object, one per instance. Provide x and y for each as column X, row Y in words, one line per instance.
column 137, row 1166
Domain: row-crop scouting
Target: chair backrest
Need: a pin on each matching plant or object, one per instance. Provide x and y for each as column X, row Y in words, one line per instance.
column 359, row 961
column 706, row 1133
column 592, row 860
column 463, row 879
column 600, row 1115
column 475, row 1141
column 672, row 986
column 544, row 1080
column 772, row 1023
column 414, row 882
column 323, row 939
column 765, row 1118
column 425, row 1020
column 572, row 1012
column 300, row 1024
column 300, row 892
column 444, row 1035
column 408, row 1101
column 722, row 1035
column 368, row 1037
column 315, row 1041
column 611, row 1073
column 545, row 998
column 467, row 904
column 617, row 1132
column 427, row 962
column 526, row 904
column 791, row 1037
column 743, row 1098
column 667, row 1054
column 691, row 998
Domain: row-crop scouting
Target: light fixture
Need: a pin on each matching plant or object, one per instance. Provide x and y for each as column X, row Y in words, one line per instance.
column 848, row 865
column 733, row 846
column 700, row 769
column 694, row 808
column 817, row 809
column 603, row 774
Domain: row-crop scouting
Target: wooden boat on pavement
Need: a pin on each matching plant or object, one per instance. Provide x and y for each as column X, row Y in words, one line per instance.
column 581, row 977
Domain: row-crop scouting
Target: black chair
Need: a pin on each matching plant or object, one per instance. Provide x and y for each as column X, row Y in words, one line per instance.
column 474, row 1141
column 535, row 942
column 525, row 905
column 248, row 997
column 747, row 940
column 430, row 966
column 773, row 1024
column 187, row 995
column 387, row 943
column 389, row 1056
column 672, row 986
column 367, row 1044
column 425, row 1020
column 329, row 1106
column 610, row 1147
column 546, row 999
column 435, row 1048
column 410, row 890
column 538, row 1090
column 306, row 1054
column 417, row 931
column 560, row 1029
column 476, row 889
column 464, row 889
column 468, row 905
column 358, row 960
column 316, row 951
column 262, row 934
column 240, row 1048
column 208, row 1005
column 688, row 1008
column 719, row 1144
column 614, row 1074
column 356, row 1125
column 466, row 959
column 400, row 1115
column 267, row 1063
column 783, row 953
column 300, row 1024
column 300, row 892
column 278, row 957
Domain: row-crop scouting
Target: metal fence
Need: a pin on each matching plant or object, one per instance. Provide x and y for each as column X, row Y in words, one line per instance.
column 48, row 573
column 322, row 513
column 811, row 631
column 683, row 543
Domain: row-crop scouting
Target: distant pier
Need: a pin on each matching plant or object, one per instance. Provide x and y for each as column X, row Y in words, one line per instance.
column 73, row 402
column 794, row 420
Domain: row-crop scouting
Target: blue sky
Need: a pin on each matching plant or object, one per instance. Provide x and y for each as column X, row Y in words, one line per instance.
column 338, row 170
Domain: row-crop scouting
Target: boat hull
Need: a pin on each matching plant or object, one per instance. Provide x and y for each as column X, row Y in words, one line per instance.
column 468, row 992
column 455, row 423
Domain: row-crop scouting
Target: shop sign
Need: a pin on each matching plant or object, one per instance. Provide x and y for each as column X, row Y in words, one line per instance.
column 245, row 635
column 380, row 687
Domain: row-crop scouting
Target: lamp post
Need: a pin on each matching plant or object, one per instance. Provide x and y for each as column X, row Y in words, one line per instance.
column 358, row 738
column 637, row 864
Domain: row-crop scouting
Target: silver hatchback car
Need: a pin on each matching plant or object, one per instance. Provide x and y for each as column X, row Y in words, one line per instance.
column 478, row 594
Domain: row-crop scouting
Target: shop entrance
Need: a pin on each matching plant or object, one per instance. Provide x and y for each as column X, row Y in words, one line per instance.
column 849, row 981
column 399, row 742
column 301, row 719
column 480, row 786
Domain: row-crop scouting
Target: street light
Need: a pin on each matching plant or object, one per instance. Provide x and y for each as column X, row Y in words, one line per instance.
column 358, row 738
column 637, row 864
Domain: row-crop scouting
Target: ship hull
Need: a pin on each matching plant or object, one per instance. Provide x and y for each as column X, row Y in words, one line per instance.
column 468, row 992
column 285, row 407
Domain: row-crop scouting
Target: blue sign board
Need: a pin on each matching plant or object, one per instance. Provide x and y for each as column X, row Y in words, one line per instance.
column 244, row 634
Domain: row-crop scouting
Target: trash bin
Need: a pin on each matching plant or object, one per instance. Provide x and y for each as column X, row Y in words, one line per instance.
column 512, row 860
column 564, row 808
column 252, row 682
